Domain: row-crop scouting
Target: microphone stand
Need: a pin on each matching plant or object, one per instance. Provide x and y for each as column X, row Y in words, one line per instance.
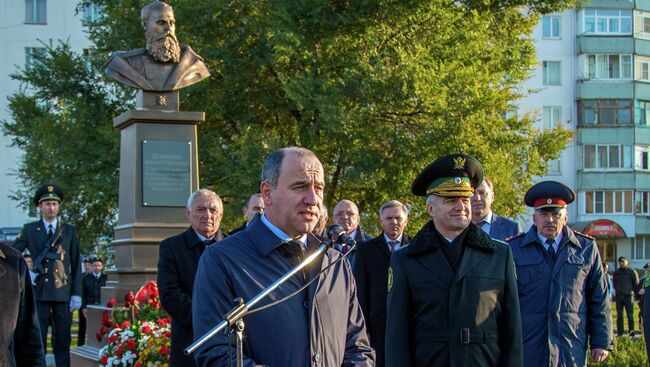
column 233, row 318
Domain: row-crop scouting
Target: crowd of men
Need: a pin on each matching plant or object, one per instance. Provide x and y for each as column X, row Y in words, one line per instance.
column 469, row 288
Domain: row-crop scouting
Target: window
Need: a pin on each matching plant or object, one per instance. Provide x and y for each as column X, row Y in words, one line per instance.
column 551, row 116
column 642, row 112
column 609, row 66
column 605, row 112
column 646, row 24
column 36, row 11
column 643, row 66
column 550, row 26
column 641, row 248
column 551, row 72
column 607, row 21
column 642, row 158
column 32, row 54
column 604, row 157
column 91, row 13
column 643, row 203
column 608, row 202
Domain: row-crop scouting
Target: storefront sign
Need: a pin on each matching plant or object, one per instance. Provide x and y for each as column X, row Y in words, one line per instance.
column 604, row 228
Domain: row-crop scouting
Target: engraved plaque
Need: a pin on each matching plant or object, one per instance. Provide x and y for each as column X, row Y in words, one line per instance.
column 166, row 173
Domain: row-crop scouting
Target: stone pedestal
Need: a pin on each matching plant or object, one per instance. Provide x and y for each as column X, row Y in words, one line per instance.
column 141, row 224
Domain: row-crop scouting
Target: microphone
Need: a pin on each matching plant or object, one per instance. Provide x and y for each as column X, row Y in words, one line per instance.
column 337, row 234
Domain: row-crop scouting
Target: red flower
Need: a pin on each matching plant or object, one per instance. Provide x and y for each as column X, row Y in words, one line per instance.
column 112, row 338
column 162, row 322
column 103, row 330
column 164, row 350
column 111, row 303
column 125, row 325
column 103, row 360
column 98, row 336
column 116, row 326
column 130, row 344
column 137, row 364
column 146, row 329
column 129, row 296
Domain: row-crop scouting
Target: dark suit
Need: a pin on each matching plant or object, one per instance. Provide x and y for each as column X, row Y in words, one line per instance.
column 370, row 273
column 321, row 326
column 53, row 289
column 502, row 228
column 177, row 263
column 359, row 236
column 440, row 317
column 20, row 341
column 92, row 288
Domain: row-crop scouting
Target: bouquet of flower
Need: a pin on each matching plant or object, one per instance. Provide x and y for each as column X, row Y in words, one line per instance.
column 138, row 333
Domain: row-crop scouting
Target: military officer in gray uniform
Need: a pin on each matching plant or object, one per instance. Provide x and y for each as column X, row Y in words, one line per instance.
column 55, row 249
column 452, row 293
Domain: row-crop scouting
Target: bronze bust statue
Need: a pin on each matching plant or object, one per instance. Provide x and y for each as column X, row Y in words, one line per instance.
column 165, row 64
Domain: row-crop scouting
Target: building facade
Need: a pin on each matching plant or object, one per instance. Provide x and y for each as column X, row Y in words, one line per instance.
column 26, row 28
column 594, row 78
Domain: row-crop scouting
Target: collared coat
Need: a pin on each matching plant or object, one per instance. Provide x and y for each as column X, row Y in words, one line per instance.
column 502, row 228
column 321, row 326
column 370, row 273
column 177, row 263
column 92, row 289
column 20, row 335
column 48, row 286
column 438, row 317
column 565, row 304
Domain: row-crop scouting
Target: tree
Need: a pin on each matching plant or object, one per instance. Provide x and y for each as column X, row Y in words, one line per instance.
column 378, row 89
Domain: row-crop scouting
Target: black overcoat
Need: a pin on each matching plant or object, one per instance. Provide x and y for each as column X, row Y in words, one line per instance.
column 177, row 263
column 92, row 289
column 438, row 317
column 370, row 273
column 48, row 286
column 20, row 335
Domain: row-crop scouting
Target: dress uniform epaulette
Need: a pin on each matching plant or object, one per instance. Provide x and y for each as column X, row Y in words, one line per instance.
column 515, row 236
column 584, row 235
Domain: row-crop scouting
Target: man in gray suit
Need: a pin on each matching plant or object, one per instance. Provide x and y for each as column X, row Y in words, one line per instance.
column 496, row 226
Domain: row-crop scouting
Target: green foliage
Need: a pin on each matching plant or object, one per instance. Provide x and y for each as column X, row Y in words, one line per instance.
column 61, row 120
column 378, row 89
column 629, row 352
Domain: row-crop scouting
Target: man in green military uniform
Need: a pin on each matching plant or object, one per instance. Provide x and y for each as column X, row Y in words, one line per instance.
column 452, row 293
column 54, row 247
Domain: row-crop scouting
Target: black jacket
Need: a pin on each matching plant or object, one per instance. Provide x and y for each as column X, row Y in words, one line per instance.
column 177, row 264
column 438, row 317
column 20, row 335
column 48, row 286
column 626, row 280
column 92, row 288
column 370, row 273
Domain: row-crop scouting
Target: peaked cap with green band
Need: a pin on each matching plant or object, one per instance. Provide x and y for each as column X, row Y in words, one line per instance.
column 48, row 192
column 454, row 175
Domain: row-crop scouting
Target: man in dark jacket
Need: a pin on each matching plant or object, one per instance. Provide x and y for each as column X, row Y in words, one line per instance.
column 626, row 281
column 321, row 325
column 565, row 308
column 92, row 288
column 495, row 225
column 346, row 214
column 254, row 205
column 177, row 263
column 20, row 335
column 371, row 271
column 55, row 249
column 452, row 294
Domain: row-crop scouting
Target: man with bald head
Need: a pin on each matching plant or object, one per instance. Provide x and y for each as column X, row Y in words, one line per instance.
column 177, row 263
column 254, row 205
column 346, row 214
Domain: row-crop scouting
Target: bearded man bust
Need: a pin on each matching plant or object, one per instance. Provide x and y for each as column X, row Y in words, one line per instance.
column 165, row 64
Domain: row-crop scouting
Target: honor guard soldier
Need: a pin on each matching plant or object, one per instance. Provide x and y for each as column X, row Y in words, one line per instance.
column 54, row 248
column 452, row 293
column 562, row 287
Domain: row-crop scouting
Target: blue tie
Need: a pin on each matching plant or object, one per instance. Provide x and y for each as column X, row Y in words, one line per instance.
column 551, row 248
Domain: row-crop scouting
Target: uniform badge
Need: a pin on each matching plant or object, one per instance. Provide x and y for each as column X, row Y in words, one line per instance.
column 50, row 188
column 549, row 201
column 390, row 279
column 459, row 162
column 457, row 180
